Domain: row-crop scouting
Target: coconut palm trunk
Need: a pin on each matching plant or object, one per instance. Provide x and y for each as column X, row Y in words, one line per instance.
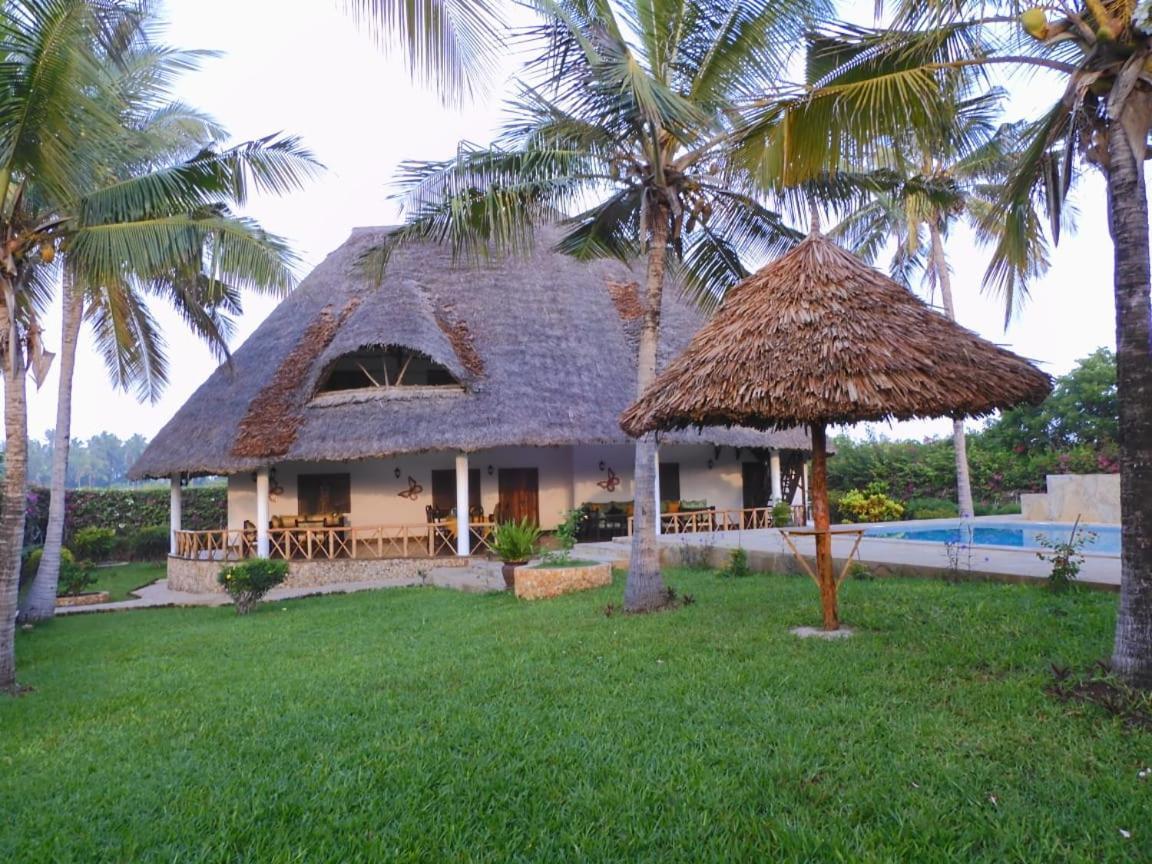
column 959, row 439
column 645, row 588
column 15, row 490
column 40, row 599
column 1128, row 224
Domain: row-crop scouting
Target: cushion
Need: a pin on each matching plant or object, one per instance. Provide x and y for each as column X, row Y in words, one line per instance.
column 670, row 507
column 693, row 505
column 613, row 510
column 277, row 522
column 333, row 521
column 629, row 507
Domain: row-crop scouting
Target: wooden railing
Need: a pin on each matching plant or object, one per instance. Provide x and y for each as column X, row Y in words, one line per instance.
column 426, row 540
column 706, row 521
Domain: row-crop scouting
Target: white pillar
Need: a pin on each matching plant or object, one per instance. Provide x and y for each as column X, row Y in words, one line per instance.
column 656, row 484
column 774, row 470
column 262, row 513
column 463, row 532
column 174, row 513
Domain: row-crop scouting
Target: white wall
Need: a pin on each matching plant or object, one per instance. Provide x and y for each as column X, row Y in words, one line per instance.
column 722, row 485
column 375, row 487
column 568, row 478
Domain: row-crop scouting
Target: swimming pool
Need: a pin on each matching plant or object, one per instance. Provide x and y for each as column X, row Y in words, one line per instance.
column 1019, row 535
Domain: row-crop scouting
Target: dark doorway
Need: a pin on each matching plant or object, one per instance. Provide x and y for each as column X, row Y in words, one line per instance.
column 318, row 494
column 757, row 491
column 519, row 495
column 444, row 489
column 669, row 481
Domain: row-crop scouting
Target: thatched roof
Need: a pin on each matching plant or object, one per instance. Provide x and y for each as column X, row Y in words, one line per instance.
column 820, row 337
column 545, row 347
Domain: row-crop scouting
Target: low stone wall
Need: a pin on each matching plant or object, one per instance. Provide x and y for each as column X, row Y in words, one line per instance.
column 1092, row 498
column 199, row 577
column 538, row 583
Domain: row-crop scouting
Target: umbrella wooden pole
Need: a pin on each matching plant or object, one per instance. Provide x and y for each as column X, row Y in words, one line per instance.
column 820, row 517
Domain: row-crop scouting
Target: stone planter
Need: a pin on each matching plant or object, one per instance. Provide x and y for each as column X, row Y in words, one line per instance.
column 538, row 583
column 90, row 598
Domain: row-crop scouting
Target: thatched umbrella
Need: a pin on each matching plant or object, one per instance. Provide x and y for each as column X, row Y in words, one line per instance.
column 818, row 338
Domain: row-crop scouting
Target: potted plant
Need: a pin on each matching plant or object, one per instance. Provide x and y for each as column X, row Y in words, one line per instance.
column 515, row 543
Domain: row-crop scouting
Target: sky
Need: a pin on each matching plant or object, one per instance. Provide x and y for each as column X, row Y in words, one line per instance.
column 314, row 74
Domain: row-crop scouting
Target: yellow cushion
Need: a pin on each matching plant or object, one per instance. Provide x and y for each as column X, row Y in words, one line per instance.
column 277, row 521
column 671, row 506
column 629, row 507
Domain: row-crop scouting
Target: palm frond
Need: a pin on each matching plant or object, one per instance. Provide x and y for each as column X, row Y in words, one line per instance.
column 453, row 45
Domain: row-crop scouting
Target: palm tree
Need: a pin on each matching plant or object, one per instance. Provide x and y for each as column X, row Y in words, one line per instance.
column 159, row 134
column 625, row 114
column 48, row 125
column 1099, row 49
column 58, row 135
column 931, row 179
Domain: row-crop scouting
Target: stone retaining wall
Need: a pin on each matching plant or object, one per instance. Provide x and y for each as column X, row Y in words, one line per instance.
column 1092, row 498
column 537, row 583
column 199, row 577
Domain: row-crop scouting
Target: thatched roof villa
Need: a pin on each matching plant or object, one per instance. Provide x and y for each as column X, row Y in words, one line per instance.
column 498, row 387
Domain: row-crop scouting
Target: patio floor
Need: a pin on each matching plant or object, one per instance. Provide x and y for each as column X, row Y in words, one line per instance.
column 768, row 551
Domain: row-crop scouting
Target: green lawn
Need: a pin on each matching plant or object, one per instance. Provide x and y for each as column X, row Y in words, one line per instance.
column 121, row 579
column 430, row 725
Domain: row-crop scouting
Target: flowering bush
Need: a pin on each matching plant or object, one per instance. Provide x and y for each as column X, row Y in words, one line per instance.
column 871, row 505
column 248, row 582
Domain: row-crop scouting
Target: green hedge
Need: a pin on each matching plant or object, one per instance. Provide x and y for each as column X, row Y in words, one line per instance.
column 913, row 470
column 126, row 511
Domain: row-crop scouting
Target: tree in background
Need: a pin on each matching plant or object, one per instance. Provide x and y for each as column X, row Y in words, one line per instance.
column 1072, row 431
column 626, row 113
column 1082, row 410
column 929, row 180
column 59, row 136
column 171, row 159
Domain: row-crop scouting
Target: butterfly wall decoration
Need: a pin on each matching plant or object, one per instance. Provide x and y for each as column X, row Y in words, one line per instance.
column 413, row 491
column 609, row 483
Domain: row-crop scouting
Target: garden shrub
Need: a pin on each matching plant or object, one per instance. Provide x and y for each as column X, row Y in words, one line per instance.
column 516, row 542
column 930, row 508
column 75, row 577
column 248, row 581
column 781, row 514
column 994, row 508
column 150, row 543
column 94, row 544
column 737, row 565
column 871, row 505
column 565, row 535
column 32, row 562
column 1065, row 556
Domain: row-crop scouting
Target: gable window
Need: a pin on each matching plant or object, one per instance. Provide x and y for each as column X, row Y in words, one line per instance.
column 386, row 367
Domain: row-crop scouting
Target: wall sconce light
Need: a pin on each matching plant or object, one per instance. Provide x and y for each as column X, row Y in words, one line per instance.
column 397, row 472
column 710, row 463
column 491, row 470
column 602, row 466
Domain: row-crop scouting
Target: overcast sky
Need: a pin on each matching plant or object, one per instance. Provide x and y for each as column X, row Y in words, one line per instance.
column 314, row 74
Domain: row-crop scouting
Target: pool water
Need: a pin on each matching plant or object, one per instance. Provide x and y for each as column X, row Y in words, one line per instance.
column 1009, row 534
